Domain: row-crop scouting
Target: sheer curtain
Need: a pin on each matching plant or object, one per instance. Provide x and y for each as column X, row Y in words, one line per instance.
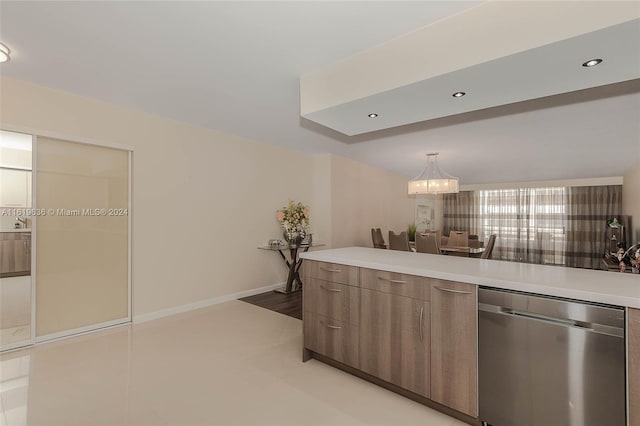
column 589, row 208
column 529, row 223
column 558, row 226
column 460, row 212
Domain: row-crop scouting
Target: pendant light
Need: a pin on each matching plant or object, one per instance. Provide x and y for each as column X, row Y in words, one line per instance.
column 432, row 180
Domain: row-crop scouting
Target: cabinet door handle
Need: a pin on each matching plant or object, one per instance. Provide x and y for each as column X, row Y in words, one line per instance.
column 334, row 327
column 392, row 281
column 448, row 290
column 330, row 270
column 421, row 321
column 334, row 290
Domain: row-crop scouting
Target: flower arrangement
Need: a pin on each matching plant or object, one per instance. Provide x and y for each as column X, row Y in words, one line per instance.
column 295, row 220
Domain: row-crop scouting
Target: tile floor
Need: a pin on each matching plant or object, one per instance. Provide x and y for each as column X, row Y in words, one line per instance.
column 229, row 364
column 15, row 310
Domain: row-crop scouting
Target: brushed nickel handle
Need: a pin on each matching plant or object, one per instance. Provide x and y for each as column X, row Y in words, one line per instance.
column 421, row 326
column 392, row 281
column 330, row 270
column 448, row 290
column 333, row 327
column 335, row 290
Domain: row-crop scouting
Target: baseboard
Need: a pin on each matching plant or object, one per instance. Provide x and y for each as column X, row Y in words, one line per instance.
column 137, row 319
column 80, row 331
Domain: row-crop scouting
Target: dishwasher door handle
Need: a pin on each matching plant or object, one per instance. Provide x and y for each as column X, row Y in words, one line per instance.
column 587, row 326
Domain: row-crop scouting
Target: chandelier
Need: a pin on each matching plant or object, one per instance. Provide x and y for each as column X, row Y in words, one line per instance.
column 432, row 180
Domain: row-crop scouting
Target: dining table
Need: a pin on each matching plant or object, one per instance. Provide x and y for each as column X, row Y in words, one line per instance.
column 472, row 251
column 474, row 247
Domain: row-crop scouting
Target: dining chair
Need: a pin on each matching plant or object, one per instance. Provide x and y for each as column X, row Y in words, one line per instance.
column 399, row 241
column 378, row 239
column 427, row 243
column 458, row 239
column 438, row 233
column 486, row 254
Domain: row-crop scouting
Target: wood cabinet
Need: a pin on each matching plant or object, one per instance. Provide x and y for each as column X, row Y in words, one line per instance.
column 393, row 283
column 633, row 365
column 15, row 188
column 454, row 343
column 415, row 333
column 331, row 311
column 16, row 253
column 332, row 300
column 327, row 336
column 394, row 339
column 332, row 272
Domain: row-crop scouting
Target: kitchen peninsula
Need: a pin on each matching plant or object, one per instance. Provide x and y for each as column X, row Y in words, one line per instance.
column 409, row 321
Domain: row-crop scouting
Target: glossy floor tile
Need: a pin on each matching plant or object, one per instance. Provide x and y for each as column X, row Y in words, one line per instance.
column 230, row 364
column 15, row 311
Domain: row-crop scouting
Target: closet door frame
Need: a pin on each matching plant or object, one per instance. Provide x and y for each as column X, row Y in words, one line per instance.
column 32, row 326
column 35, row 133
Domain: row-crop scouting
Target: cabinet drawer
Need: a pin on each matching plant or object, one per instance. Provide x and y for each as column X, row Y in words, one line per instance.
column 334, row 272
column 335, row 339
column 394, row 283
column 334, row 301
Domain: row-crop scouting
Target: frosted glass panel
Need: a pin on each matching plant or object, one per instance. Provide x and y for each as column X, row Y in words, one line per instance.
column 82, row 240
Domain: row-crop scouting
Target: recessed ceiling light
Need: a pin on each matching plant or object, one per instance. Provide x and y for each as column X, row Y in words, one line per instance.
column 592, row 63
column 458, row 94
column 372, row 115
column 4, row 53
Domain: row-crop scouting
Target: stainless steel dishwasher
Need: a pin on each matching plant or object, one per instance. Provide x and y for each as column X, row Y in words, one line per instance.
column 548, row 361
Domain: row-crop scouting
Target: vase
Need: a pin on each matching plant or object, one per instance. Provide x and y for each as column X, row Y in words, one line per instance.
column 295, row 241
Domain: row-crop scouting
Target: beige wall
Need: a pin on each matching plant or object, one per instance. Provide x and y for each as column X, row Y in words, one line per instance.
column 365, row 197
column 321, row 214
column 202, row 200
column 631, row 199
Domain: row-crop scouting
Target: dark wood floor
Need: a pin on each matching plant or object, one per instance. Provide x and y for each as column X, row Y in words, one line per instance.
column 288, row 304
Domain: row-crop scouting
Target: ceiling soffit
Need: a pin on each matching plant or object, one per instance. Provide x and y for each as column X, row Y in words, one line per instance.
column 526, row 65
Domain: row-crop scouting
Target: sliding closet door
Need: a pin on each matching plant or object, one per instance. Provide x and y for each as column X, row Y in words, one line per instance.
column 82, row 245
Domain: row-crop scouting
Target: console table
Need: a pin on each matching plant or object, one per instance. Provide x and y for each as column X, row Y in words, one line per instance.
column 294, row 283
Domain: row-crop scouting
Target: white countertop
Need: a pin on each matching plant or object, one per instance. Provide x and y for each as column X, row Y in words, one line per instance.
column 615, row 288
column 16, row 230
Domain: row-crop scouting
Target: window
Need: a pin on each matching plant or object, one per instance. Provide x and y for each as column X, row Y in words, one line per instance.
column 556, row 225
column 530, row 223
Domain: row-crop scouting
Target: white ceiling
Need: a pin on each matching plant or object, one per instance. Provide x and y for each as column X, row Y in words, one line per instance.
column 234, row 66
column 533, row 73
